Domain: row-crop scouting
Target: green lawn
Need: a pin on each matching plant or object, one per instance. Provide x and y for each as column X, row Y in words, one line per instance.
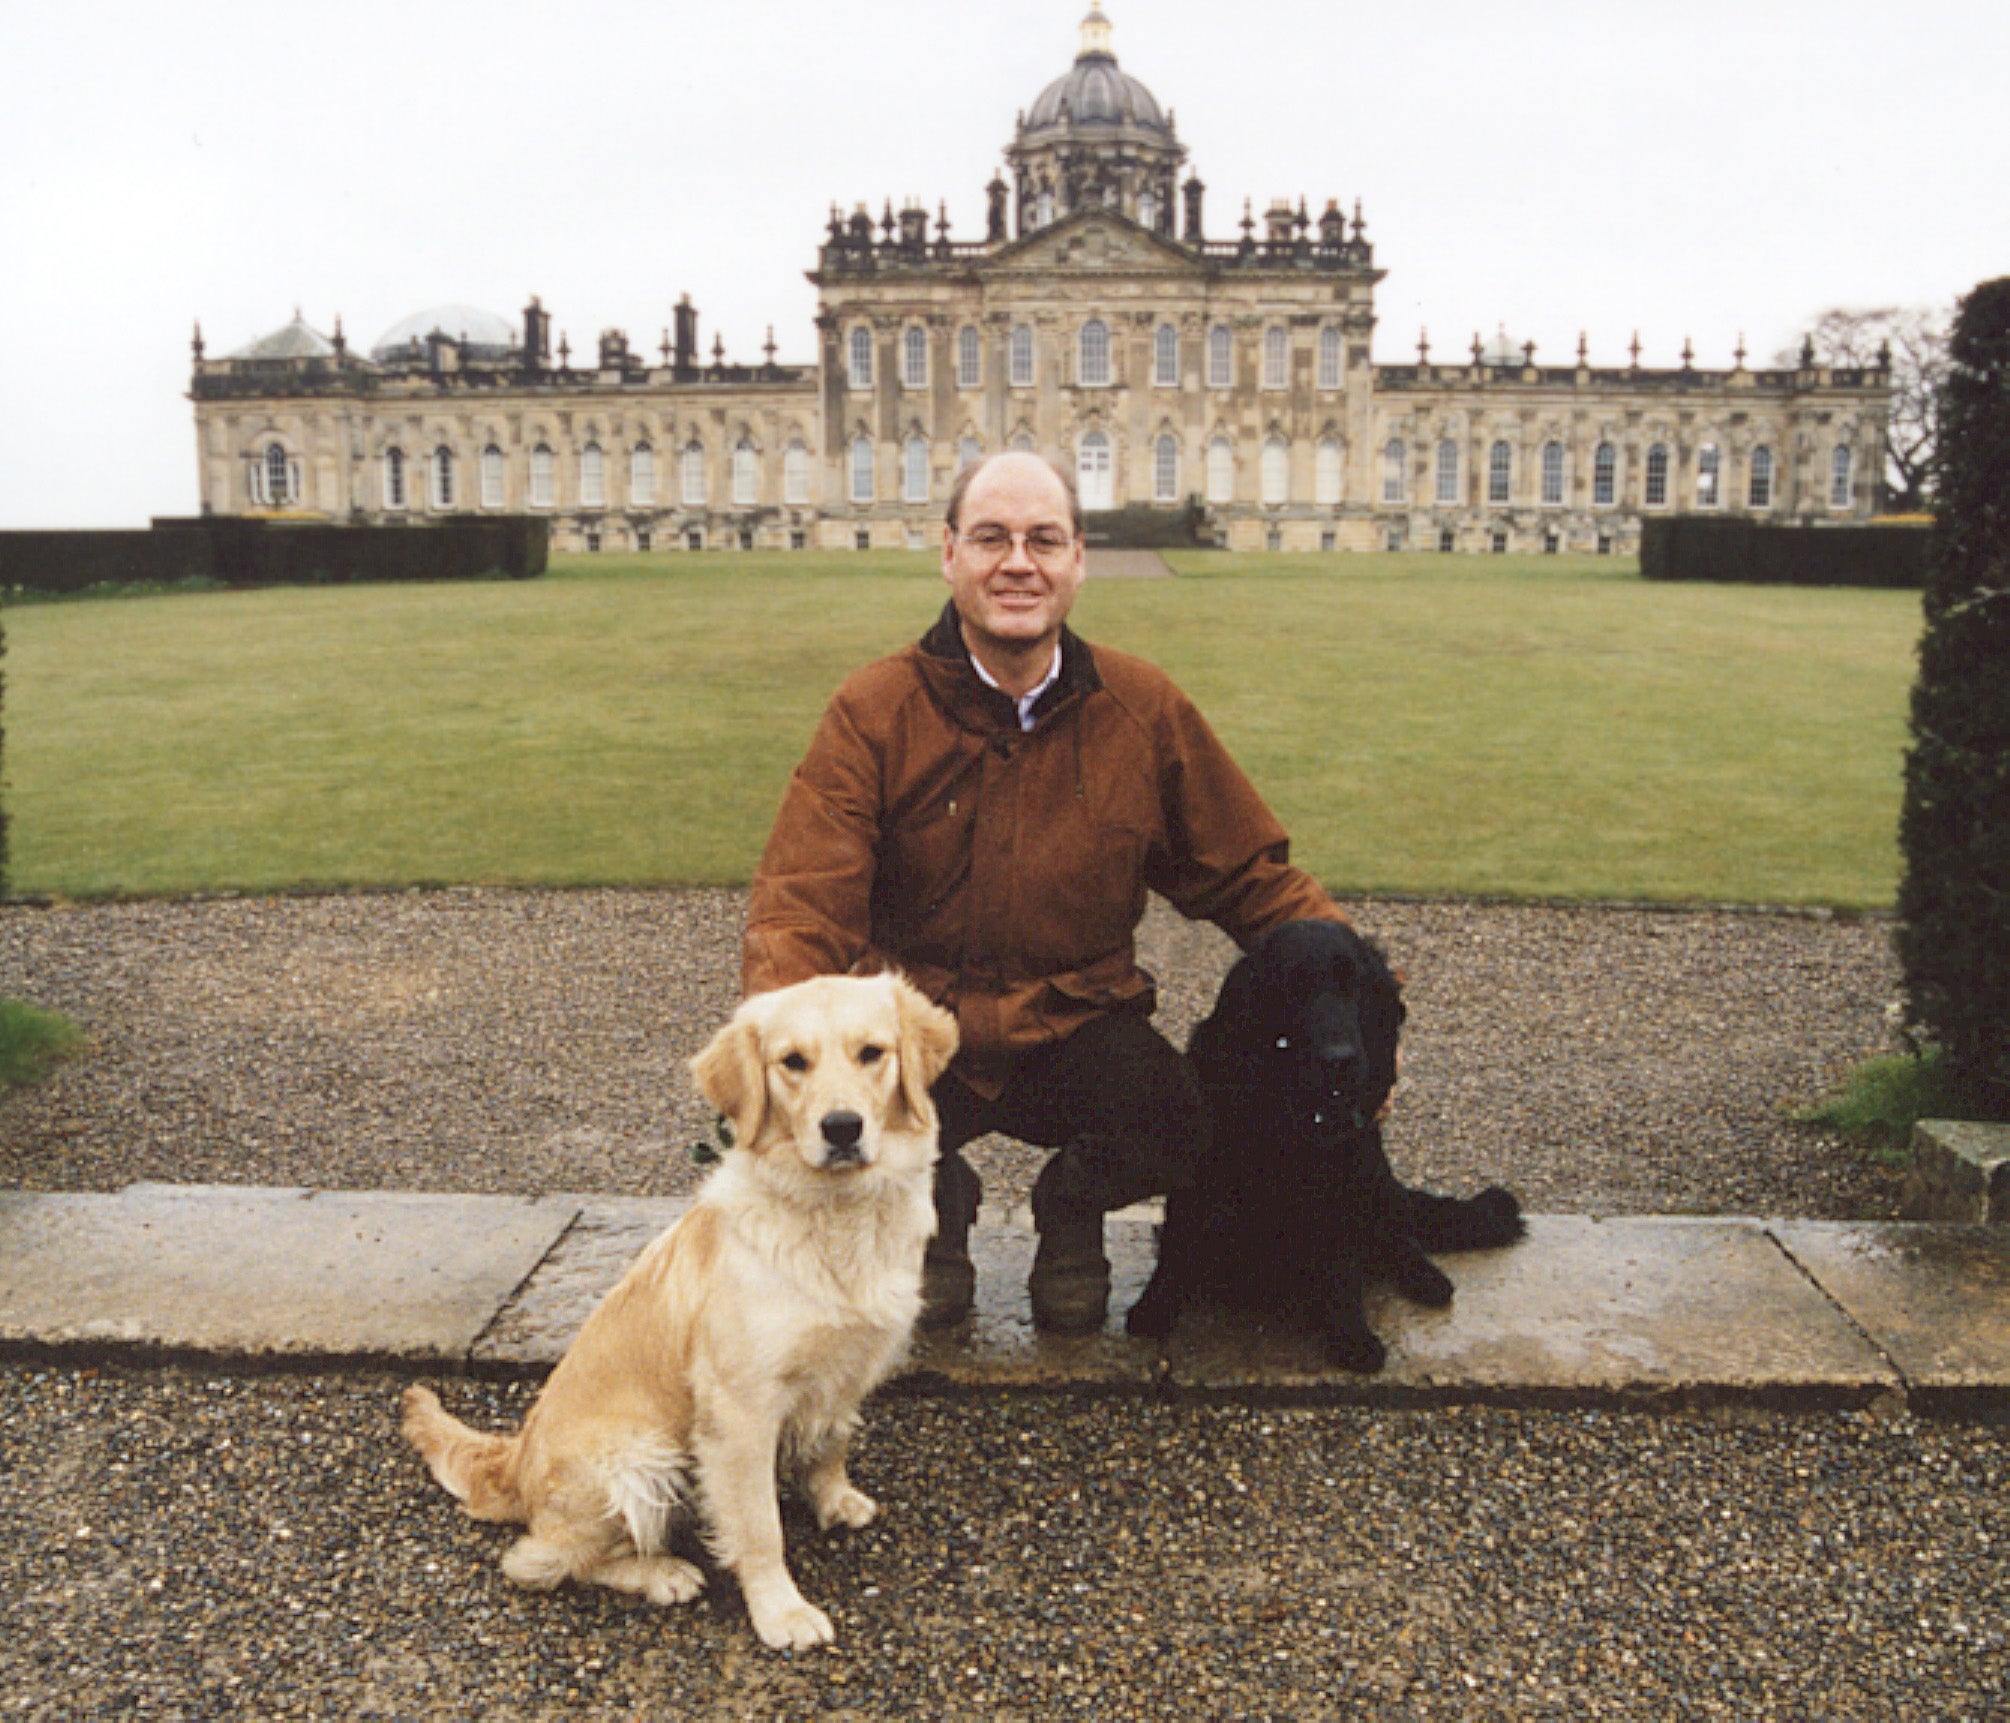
column 1533, row 727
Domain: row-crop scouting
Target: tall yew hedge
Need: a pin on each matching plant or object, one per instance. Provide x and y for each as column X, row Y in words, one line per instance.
column 1954, row 901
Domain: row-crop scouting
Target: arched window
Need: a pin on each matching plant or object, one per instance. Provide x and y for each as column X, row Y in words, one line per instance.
column 1709, row 470
column 1165, row 357
column 1604, row 476
column 1020, row 356
column 1148, row 210
column 1762, row 478
column 914, row 359
column 746, row 474
column 277, row 491
column 1394, row 457
column 914, row 470
column 1500, row 472
column 1448, row 471
column 1165, row 470
column 1329, row 358
column 1276, row 358
column 592, row 477
column 1327, row 468
column 1841, row 472
column 642, row 476
column 694, row 480
column 796, row 474
column 1657, row 477
column 1043, row 207
column 1095, row 368
column 492, row 477
column 969, row 451
column 861, row 359
column 540, row 476
column 1220, row 357
column 1221, row 471
column 394, row 478
column 443, row 477
column 1276, row 471
column 969, row 359
column 861, row 469
column 1552, row 473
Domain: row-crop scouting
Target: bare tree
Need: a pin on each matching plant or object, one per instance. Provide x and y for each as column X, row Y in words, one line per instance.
column 1912, row 340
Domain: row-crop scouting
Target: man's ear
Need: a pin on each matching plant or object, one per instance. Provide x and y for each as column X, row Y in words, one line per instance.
column 730, row 1076
column 927, row 1043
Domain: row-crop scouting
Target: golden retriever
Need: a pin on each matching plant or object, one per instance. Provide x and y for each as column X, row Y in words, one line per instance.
column 744, row 1337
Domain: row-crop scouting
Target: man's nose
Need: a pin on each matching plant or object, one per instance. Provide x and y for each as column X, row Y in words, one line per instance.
column 1017, row 557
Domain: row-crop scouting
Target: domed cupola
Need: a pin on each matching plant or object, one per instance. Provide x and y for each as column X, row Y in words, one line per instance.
column 1095, row 138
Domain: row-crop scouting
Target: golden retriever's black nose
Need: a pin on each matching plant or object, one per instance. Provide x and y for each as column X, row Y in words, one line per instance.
column 842, row 1131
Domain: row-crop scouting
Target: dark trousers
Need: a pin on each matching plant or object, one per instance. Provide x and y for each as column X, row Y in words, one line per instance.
column 1117, row 1100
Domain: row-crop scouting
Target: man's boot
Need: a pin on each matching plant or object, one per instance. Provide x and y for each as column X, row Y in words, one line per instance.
column 1070, row 1282
column 948, row 1277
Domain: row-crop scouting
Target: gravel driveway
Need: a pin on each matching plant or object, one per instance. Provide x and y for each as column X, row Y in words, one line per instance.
column 1598, row 1060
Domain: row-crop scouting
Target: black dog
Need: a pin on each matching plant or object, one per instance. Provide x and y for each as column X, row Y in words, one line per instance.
column 1295, row 1208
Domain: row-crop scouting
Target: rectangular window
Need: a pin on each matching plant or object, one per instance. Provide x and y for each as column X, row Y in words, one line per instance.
column 694, row 475
column 860, row 366
column 1657, row 476
column 1841, row 473
column 1500, row 473
column 969, row 359
column 1329, row 358
column 914, row 359
column 1393, row 488
column 1552, row 473
column 1762, row 478
column 1448, row 471
column 1165, row 471
column 1447, row 540
column 1276, row 359
column 642, row 476
column 1708, row 468
column 1604, row 475
column 1220, row 357
column 1165, row 357
column 1020, row 357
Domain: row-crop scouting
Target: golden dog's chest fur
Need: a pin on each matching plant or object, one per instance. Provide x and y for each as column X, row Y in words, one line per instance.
column 745, row 1337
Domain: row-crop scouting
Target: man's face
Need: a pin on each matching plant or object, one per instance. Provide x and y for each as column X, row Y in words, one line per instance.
column 1016, row 600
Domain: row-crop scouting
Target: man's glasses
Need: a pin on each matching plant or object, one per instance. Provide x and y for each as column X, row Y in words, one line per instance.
column 993, row 544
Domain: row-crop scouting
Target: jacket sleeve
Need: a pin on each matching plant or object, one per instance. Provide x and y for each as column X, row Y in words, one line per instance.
column 810, row 912
column 1227, row 860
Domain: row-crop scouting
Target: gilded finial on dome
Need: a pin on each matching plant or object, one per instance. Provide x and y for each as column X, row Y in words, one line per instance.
column 1096, row 32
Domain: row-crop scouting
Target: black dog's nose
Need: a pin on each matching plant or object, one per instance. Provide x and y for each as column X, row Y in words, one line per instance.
column 842, row 1130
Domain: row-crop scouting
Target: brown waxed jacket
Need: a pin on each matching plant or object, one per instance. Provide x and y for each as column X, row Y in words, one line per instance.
column 1003, row 870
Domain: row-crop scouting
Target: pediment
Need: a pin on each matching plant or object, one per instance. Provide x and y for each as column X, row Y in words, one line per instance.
column 1094, row 240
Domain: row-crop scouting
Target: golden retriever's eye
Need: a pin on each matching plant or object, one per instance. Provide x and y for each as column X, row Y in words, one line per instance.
column 871, row 1055
column 795, row 1062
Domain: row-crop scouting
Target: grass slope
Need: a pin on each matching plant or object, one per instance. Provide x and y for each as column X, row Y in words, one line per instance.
column 1529, row 727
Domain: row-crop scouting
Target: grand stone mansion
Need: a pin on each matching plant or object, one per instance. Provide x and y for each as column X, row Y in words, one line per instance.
column 1096, row 322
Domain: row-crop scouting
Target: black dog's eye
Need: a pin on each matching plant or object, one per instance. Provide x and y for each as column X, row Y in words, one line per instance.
column 871, row 1055
column 795, row 1062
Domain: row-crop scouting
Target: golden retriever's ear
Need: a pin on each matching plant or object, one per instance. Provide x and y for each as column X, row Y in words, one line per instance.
column 729, row 1075
column 927, row 1044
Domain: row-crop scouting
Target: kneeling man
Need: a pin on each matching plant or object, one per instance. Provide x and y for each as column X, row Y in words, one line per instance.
column 986, row 811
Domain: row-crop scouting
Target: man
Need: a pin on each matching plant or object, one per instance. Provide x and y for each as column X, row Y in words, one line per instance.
column 986, row 811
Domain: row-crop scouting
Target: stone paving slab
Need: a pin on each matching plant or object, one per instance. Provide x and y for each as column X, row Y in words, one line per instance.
column 257, row 1273
column 1641, row 1310
column 1934, row 1299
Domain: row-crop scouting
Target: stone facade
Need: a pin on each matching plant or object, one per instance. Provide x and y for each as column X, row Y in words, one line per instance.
column 1094, row 322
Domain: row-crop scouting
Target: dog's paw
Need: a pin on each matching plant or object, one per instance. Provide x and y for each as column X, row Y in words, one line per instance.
column 1423, row 1282
column 1497, row 1213
column 792, row 1626
column 850, row 1507
column 1356, row 1349
column 1152, row 1317
column 667, row 1580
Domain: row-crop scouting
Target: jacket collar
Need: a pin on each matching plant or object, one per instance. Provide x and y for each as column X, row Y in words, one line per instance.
column 947, row 659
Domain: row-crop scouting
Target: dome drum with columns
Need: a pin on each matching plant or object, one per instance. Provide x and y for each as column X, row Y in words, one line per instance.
column 1229, row 380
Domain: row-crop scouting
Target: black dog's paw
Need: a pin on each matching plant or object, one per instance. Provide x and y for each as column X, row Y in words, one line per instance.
column 1422, row 1281
column 1153, row 1316
column 1497, row 1216
column 1355, row 1349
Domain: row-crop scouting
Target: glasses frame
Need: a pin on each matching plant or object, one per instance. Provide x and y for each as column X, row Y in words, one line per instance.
column 1044, row 556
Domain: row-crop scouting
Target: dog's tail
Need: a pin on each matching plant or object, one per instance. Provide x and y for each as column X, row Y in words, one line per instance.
column 479, row 1470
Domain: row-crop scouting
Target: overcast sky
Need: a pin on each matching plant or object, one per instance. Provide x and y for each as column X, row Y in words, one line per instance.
column 1717, row 168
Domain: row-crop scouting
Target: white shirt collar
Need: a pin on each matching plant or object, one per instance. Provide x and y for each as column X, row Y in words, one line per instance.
column 1025, row 700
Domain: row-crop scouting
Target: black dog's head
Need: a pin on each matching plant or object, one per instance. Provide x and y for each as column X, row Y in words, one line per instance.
column 1313, row 1006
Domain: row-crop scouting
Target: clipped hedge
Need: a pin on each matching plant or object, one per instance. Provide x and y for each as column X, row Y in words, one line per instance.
column 248, row 552
column 1715, row 547
column 1954, row 898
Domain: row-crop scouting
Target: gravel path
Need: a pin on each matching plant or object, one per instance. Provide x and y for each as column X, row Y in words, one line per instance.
column 181, row 1547
column 1598, row 1060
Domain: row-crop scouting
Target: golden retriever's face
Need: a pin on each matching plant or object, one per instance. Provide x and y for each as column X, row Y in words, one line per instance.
column 834, row 1072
